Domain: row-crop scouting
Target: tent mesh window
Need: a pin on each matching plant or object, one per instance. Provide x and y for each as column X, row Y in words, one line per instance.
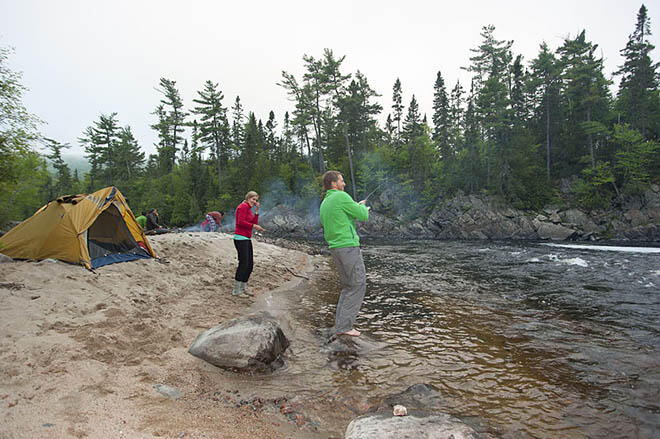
column 109, row 235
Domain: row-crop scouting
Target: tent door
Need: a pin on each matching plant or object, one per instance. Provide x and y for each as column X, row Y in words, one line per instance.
column 109, row 240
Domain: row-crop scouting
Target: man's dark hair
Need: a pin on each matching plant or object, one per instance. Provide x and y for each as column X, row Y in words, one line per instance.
column 221, row 212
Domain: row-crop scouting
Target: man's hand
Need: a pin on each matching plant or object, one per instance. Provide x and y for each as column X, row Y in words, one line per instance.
column 363, row 202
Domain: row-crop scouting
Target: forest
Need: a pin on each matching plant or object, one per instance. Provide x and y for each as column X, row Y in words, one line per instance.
column 520, row 130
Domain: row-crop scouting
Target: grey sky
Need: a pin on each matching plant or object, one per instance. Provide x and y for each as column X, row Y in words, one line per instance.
column 83, row 58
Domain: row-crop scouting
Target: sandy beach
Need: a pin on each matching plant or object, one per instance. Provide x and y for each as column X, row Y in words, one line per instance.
column 83, row 354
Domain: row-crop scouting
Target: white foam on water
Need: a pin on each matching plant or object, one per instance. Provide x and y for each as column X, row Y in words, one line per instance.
column 606, row 248
column 569, row 261
column 656, row 272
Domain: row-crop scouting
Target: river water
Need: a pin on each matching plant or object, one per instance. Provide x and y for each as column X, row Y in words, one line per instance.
column 528, row 339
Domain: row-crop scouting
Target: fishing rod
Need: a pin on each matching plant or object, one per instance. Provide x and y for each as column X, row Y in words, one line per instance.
column 372, row 192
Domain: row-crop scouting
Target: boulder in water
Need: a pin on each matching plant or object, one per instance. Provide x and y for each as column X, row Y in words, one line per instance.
column 417, row 425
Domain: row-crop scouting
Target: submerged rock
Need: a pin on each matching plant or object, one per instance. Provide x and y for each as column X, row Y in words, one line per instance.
column 413, row 426
column 250, row 342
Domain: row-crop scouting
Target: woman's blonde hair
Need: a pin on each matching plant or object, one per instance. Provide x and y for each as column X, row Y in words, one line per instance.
column 250, row 195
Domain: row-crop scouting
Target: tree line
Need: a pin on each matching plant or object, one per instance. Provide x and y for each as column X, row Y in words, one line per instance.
column 519, row 130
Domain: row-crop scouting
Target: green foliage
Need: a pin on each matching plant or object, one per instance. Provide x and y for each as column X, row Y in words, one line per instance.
column 594, row 189
column 636, row 160
column 22, row 171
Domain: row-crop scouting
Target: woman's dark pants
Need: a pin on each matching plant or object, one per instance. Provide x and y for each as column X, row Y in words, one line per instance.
column 245, row 262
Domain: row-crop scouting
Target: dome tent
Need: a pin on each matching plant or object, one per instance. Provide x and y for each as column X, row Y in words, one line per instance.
column 90, row 229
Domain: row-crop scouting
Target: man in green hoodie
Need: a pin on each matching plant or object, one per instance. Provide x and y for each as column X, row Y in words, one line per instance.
column 338, row 214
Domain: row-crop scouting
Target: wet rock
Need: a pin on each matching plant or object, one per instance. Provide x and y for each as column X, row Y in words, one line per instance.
column 415, row 425
column 251, row 342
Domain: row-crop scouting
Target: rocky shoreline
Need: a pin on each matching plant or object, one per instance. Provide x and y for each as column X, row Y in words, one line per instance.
column 483, row 217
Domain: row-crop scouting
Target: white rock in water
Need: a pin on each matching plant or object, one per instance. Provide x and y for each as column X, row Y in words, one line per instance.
column 400, row 410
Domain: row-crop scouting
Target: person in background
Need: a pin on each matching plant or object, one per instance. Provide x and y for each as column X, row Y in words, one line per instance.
column 246, row 221
column 153, row 223
column 142, row 220
column 338, row 214
column 212, row 221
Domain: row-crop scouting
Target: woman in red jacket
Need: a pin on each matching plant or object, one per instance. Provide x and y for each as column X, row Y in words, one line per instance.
column 245, row 222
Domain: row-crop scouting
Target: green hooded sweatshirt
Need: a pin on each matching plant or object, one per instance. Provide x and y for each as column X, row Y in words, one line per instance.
column 338, row 215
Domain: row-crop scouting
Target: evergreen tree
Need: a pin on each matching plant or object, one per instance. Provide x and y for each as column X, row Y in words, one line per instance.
column 129, row 156
column 63, row 183
column 94, row 155
column 164, row 148
column 397, row 107
column 412, row 126
column 272, row 145
column 441, row 123
column 106, row 134
column 213, row 124
column 491, row 64
column 172, row 120
column 638, row 102
column 543, row 85
column 585, row 99
column 456, row 116
column 237, row 127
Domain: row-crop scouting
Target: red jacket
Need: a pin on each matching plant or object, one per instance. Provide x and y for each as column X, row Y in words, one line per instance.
column 245, row 219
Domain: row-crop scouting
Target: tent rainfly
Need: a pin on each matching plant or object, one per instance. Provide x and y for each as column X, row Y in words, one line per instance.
column 90, row 229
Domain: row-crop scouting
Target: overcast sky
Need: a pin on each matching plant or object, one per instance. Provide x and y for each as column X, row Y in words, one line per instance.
column 83, row 58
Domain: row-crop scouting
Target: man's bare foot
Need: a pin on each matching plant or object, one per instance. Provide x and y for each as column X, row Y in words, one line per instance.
column 352, row 333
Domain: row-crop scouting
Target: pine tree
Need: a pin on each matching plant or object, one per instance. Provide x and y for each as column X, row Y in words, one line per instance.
column 213, row 125
column 272, row 145
column 586, row 98
column 456, row 115
column 441, row 124
column 412, row 126
column 638, row 102
column 237, row 125
column 93, row 153
column 397, row 107
column 129, row 156
column 64, row 182
column 543, row 85
column 172, row 117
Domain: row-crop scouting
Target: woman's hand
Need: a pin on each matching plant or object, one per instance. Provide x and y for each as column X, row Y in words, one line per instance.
column 256, row 204
column 258, row 228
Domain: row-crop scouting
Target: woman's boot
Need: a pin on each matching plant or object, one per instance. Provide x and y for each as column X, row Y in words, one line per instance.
column 237, row 288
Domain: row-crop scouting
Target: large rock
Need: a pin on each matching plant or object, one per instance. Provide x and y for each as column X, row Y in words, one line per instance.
column 283, row 220
column 413, row 426
column 652, row 196
column 552, row 231
column 251, row 342
column 5, row 258
column 636, row 217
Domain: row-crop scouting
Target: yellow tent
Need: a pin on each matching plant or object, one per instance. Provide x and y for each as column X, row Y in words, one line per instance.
column 90, row 229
